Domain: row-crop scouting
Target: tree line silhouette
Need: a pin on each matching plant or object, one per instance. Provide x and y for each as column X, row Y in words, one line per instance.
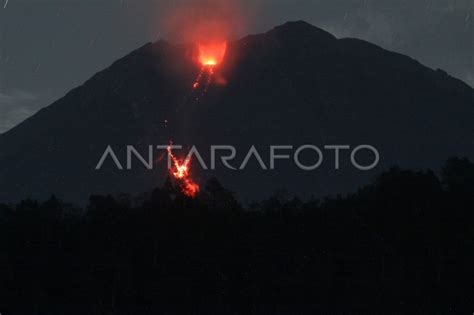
column 402, row 244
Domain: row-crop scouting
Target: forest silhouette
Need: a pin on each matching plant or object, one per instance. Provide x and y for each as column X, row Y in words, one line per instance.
column 402, row 244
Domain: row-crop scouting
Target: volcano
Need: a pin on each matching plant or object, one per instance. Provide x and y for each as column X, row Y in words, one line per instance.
column 293, row 85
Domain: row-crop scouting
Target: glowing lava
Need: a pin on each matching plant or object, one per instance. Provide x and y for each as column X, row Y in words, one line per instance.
column 180, row 171
column 212, row 54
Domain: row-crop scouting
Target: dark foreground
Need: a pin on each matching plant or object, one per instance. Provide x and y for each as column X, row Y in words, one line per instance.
column 404, row 244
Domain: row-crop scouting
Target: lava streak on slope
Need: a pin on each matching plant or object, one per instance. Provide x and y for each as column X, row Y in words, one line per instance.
column 210, row 55
column 180, row 171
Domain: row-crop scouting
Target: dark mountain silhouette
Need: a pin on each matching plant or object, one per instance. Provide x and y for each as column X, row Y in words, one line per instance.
column 295, row 84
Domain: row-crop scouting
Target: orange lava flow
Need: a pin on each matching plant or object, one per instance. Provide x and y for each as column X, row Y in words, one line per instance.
column 197, row 82
column 212, row 54
column 180, row 171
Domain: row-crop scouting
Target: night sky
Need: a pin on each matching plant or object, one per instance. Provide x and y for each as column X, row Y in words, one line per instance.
column 48, row 47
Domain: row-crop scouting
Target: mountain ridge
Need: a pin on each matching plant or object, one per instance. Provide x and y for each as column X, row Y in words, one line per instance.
column 289, row 78
column 284, row 27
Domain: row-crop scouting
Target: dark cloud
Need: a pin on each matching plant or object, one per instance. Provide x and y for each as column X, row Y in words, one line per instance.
column 15, row 107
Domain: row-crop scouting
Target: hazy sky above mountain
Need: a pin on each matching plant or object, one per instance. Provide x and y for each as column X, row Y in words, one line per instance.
column 48, row 47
